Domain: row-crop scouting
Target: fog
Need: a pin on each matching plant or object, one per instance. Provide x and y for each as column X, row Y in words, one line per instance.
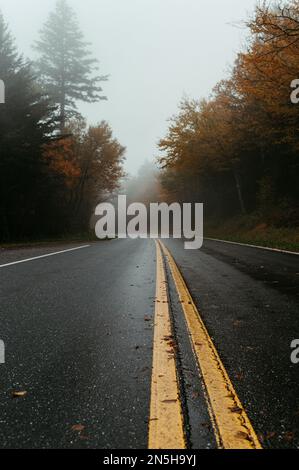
column 155, row 51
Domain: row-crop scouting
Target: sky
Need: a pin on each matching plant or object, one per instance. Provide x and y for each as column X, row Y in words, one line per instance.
column 155, row 52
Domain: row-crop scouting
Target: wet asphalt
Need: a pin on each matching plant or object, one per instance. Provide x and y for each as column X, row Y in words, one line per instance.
column 77, row 342
column 248, row 299
column 78, row 331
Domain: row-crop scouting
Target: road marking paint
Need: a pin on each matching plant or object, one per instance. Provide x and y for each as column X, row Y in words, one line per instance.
column 232, row 426
column 276, row 250
column 166, row 426
column 43, row 256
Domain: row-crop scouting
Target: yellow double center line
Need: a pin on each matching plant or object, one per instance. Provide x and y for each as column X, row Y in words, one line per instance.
column 166, row 429
column 232, row 427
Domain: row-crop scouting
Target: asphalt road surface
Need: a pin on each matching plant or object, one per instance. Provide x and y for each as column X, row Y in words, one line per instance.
column 88, row 330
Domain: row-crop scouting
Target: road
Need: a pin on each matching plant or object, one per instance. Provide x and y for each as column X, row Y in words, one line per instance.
column 107, row 347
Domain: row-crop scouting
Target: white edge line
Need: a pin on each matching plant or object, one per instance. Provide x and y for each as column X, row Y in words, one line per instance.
column 276, row 250
column 43, row 256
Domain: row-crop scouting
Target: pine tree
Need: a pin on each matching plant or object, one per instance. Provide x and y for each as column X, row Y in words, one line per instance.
column 65, row 65
column 25, row 126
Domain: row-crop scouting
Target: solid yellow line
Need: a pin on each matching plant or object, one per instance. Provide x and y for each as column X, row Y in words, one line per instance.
column 232, row 426
column 166, row 428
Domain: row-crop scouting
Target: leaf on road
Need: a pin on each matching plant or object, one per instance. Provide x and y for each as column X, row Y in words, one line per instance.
column 78, row 428
column 289, row 436
column 19, row 394
column 236, row 409
column 240, row 376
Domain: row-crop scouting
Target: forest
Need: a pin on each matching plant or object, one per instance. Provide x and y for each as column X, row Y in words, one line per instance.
column 235, row 151
column 238, row 150
column 54, row 167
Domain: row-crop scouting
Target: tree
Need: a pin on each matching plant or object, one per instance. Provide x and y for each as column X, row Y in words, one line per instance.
column 100, row 160
column 238, row 151
column 25, row 126
column 86, row 167
column 65, row 66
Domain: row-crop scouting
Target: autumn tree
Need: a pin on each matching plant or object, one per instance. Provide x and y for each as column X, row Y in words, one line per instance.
column 86, row 168
column 263, row 77
column 65, row 66
column 242, row 144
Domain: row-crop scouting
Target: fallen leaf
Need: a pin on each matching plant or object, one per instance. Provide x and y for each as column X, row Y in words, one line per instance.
column 289, row 436
column 236, row 409
column 168, row 338
column 78, row 428
column 19, row 394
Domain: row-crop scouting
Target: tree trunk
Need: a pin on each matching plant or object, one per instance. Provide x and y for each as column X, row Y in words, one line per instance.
column 4, row 235
column 62, row 108
column 62, row 116
column 239, row 191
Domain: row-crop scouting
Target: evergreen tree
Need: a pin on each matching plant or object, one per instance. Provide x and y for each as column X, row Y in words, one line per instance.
column 65, row 65
column 25, row 126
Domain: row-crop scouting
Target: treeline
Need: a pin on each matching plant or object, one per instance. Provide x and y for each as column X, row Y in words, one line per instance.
column 238, row 151
column 54, row 168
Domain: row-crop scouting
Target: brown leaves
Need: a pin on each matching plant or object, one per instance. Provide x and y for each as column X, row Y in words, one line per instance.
column 237, row 410
column 242, row 435
column 240, row 376
column 78, row 428
column 289, row 436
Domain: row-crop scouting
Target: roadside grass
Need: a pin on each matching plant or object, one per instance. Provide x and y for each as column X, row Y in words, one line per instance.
column 88, row 237
column 251, row 231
